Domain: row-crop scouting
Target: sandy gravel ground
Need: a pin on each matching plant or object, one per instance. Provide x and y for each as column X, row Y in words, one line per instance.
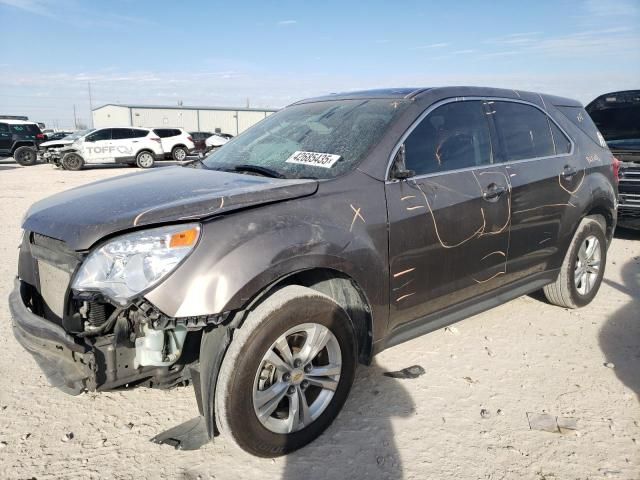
column 522, row 359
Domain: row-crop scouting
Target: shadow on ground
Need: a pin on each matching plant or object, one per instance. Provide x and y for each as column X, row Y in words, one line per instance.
column 620, row 336
column 360, row 443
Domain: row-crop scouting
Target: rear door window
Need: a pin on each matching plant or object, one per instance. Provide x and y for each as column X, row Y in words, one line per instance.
column 560, row 140
column 137, row 133
column 583, row 121
column 121, row 133
column 453, row 136
column 523, row 131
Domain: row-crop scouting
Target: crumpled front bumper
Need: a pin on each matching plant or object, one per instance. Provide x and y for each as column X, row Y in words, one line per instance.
column 66, row 364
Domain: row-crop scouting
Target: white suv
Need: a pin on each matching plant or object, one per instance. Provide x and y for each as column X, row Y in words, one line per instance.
column 176, row 143
column 134, row 146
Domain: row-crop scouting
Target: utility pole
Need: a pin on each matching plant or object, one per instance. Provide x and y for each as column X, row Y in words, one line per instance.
column 75, row 119
column 90, row 106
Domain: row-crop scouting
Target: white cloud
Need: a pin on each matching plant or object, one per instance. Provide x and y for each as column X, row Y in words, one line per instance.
column 283, row 23
column 37, row 7
column 432, row 45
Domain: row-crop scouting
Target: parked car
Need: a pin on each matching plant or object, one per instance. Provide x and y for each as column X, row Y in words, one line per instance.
column 176, row 143
column 57, row 135
column 52, row 147
column 215, row 141
column 199, row 140
column 335, row 228
column 20, row 139
column 133, row 146
column 617, row 116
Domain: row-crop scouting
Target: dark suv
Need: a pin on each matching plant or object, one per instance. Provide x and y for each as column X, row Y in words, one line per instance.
column 20, row 139
column 617, row 116
column 333, row 229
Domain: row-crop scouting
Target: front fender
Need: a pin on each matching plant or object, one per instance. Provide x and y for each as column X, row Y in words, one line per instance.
column 241, row 254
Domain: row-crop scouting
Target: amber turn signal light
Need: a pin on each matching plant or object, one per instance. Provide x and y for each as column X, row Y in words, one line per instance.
column 185, row 238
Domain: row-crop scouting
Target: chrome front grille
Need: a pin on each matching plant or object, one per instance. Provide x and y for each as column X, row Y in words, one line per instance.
column 629, row 186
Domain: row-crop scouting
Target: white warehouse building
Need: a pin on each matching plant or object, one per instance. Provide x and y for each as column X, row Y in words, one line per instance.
column 193, row 119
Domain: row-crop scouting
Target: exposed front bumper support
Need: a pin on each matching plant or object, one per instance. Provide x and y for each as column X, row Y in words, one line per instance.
column 66, row 364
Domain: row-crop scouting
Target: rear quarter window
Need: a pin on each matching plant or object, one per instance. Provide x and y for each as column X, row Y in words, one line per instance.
column 25, row 129
column 4, row 128
column 581, row 119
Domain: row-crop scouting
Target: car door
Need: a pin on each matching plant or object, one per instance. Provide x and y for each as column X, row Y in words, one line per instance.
column 542, row 176
column 124, row 144
column 448, row 223
column 5, row 138
column 96, row 147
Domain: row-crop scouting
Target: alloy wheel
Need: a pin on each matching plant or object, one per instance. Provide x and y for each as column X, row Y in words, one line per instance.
column 145, row 160
column 587, row 265
column 297, row 378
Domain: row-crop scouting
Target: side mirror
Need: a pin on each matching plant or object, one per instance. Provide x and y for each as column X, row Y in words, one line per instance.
column 400, row 171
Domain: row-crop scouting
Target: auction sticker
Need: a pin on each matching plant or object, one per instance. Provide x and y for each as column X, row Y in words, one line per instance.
column 324, row 160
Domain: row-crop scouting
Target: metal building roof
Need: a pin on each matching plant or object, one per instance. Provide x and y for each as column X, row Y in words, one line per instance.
column 186, row 107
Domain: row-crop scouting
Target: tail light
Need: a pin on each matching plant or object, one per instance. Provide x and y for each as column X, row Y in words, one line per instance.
column 40, row 136
column 616, row 169
column 190, row 138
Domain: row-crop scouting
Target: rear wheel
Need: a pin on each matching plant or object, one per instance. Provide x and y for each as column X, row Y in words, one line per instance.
column 72, row 161
column 179, row 153
column 145, row 159
column 582, row 269
column 25, row 156
column 287, row 372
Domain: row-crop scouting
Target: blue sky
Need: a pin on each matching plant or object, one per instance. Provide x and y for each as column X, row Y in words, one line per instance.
column 272, row 53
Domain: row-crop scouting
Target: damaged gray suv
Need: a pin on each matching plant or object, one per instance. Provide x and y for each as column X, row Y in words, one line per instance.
column 333, row 229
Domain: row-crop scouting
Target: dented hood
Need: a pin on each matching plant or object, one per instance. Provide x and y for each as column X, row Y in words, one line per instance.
column 82, row 216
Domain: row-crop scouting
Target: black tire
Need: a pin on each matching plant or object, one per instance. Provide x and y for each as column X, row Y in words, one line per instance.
column 564, row 292
column 288, row 307
column 145, row 159
column 72, row 161
column 179, row 153
column 25, row 156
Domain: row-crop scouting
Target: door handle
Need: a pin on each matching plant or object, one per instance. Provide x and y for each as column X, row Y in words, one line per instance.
column 493, row 192
column 568, row 171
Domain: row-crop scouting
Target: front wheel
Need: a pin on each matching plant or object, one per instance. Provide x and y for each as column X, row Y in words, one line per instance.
column 287, row 372
column 582, row 269
column 145, row 160
column 25, row 156
column 72, row 161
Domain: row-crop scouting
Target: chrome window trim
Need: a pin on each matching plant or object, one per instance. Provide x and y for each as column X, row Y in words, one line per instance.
column 445, row 101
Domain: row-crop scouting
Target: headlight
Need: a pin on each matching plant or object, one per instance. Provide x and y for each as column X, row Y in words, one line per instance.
column 127, row 265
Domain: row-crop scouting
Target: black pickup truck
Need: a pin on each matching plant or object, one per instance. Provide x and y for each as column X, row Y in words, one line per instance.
column 617, row 116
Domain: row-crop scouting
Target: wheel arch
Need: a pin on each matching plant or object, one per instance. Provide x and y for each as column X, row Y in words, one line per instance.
column 342, row 288
column 22, row 144
column 145, row 149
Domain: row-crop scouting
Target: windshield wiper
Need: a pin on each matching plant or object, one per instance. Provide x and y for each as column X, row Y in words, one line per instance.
column 264, row 171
